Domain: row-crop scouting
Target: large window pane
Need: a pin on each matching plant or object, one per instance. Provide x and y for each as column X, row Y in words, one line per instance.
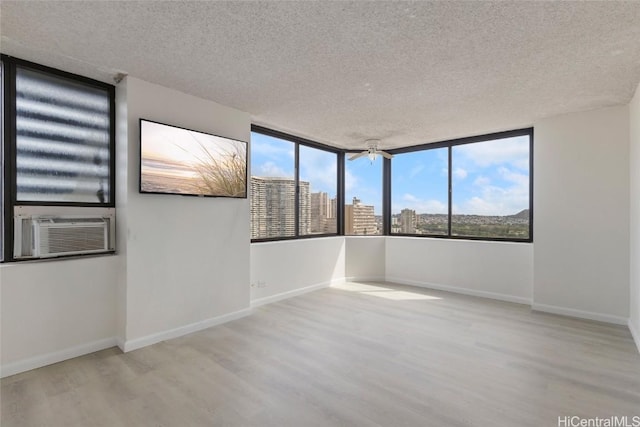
column 63, row 140
column 491, row 189
column 318, row 189
column 272, row 187
column 363, row 197
column 419, row 192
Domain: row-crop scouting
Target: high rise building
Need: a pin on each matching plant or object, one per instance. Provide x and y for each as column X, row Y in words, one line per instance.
column 395, row 223
column 333, row 208
column 359, row 218
column 322, row 219
column 320, row 204
column 305, row 208
column 273, row 207
column 408, row 221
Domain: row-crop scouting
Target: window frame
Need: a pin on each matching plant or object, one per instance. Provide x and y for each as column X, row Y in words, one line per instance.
column 297, row 142
column 383, row 171
column 389, row 190
column 387, row 184
column 449, row 144
column 9, row 140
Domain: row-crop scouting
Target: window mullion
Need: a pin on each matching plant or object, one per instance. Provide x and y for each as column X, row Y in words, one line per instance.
column 450, row 190
column 386, row 197
column 9, row 155
column 340, row 194
column 296, row 208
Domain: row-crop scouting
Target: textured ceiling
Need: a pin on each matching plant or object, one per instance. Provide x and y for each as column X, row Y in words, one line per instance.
column 343, row 72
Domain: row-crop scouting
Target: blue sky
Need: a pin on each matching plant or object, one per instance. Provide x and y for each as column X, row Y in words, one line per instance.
column 364, row 181
column 489, row 178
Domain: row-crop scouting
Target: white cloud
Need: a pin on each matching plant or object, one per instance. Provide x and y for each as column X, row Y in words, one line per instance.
column 275, row 157
column 501, row 176
column 270, row 169
column 481, row 181
column 351, row 181
column 460, row 173
column 409, row 201
column 319, row 168
column 494, row 200
column 514, row 177
column 272, row 150
column 511, row 151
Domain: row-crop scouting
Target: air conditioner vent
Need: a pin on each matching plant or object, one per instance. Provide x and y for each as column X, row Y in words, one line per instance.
column 27, row 237
column 72, row 239
column 40, row 236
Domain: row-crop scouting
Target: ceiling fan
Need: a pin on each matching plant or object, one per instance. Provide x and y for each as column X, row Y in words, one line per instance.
column 372, row 151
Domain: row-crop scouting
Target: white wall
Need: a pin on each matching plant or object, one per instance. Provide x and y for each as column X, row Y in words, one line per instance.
column 501, row 270
column 286, row 268
column 581, row 217
column 122, row 196
column 187, row 258
column 634, row 196
column 365, row 258
column 55, row 310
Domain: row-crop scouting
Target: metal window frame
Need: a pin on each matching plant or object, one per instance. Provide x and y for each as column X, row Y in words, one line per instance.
column 449, row 144
column 10, row 64
column 387, row 184
column 386, row 206
column 299, row 141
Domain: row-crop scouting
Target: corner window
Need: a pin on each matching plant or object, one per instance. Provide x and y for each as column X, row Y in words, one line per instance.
column 490, row 189
column 318, row 191
column 363, row 197
column 474, row 188
column 294, row 187
column 273, row 187
column 420, row 193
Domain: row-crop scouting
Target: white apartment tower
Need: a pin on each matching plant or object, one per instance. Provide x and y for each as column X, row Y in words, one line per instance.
column 273, row 207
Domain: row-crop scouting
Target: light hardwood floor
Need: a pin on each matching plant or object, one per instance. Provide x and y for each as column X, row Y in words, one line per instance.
column 354, row 355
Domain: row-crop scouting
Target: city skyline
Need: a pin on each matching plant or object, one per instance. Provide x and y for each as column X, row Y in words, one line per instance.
column 273, row 215
column 273, row 211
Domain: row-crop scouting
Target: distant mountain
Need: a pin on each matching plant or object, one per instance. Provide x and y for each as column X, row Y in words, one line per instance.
column 523, row 214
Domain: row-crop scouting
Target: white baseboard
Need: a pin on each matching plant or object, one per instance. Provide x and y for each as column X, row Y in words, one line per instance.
column 365, row 279
column 571, row 312
column 284, row 295
column 635, row 334
column 137, row 343
column 55, row 357
column 464, row 291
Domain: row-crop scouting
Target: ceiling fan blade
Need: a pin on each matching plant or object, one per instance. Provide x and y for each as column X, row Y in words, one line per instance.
column 358, row 155
column 385, row 154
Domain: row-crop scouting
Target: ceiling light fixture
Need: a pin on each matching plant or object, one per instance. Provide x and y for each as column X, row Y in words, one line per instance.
column 372, row 156
column 372, row 151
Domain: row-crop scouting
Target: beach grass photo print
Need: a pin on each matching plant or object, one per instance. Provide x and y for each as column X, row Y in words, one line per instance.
column 182, row 161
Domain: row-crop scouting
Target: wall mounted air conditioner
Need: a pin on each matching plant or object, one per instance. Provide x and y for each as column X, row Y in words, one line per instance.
column 47, row 236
